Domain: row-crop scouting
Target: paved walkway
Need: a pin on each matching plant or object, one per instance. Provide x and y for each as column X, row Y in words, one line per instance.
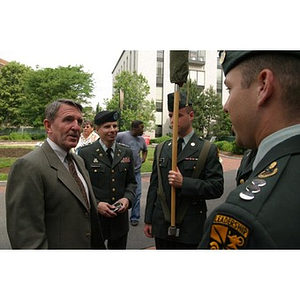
column 136, row 236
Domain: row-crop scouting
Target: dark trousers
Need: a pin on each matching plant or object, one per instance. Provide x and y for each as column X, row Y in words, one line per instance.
column 161, row 244
column 118, row 244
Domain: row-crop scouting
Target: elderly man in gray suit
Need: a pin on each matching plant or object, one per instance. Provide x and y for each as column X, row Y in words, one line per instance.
column 49, row 198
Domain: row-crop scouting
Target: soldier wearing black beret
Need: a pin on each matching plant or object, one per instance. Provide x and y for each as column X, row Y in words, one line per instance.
column 111, row 169
column 183, row 101
column 264, row 107
column 192, row 188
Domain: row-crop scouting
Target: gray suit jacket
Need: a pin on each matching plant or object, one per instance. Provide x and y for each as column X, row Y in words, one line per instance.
column 44, row 206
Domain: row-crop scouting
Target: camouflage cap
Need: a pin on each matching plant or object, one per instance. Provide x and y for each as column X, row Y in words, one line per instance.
column 230, row 59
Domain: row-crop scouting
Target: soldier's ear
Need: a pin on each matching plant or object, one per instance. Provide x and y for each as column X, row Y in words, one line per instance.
column 266, row 81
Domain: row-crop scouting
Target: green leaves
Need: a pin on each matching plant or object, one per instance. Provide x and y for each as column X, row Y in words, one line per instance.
column 24, row 92
column 210, row 119
column 135, row 106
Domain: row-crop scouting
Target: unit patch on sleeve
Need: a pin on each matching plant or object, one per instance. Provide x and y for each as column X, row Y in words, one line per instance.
column 228, row 233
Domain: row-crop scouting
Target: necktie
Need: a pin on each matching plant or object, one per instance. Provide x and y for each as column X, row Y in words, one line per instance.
column 108, row 152
column 179, row 145
column 73, row 172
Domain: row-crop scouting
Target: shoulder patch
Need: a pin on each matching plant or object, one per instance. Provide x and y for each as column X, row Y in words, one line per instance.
column 228, row 233
column 124, row 145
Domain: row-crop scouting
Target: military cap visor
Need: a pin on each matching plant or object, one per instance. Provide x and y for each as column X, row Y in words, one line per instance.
column 230, row 59
column 106, row 116
column 183, row 102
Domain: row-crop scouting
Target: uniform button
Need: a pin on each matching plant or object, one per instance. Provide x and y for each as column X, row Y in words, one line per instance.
column 113, row 180
column 113, row 199
column 113, row 189
column 201, row 211
column 242, row 181
column 88, row 234
column 113, row 171
column 87, row 214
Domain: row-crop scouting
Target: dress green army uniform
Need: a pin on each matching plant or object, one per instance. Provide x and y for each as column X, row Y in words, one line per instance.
column 208, row 185
column 262, row 212
column 110, row 183
column 245, row 168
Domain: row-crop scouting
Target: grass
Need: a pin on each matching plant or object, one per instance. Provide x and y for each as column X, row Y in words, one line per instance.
column 147, row 165
column 8, row 162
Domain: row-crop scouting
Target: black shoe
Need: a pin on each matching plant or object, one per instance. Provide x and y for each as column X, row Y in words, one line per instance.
column 134, row 223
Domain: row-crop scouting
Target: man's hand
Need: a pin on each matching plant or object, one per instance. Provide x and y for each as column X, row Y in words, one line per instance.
column 175, row 178
column 148, row 230
column 106, row 210
column 125, row 203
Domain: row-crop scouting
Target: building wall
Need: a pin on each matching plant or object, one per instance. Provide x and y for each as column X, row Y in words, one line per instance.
column 145, row 62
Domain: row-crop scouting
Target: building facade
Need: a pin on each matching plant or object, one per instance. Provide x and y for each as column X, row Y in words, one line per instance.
column 204, row 68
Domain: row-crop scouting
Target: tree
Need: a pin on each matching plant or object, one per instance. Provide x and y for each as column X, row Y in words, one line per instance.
column 12, row 93
column 210, row 119
column 134, row 106
column 46, row 85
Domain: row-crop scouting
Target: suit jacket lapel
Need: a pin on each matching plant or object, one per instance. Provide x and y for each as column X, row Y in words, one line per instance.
column 62, row 173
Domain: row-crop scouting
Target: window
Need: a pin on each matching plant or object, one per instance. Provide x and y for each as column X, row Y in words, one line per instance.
column 198, row 76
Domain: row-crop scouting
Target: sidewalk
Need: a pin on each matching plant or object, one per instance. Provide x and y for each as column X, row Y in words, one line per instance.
column 136, row 236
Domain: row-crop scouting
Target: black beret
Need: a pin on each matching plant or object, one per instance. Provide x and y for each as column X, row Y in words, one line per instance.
column 106, row 116
column 183, row 102
column 230, row 59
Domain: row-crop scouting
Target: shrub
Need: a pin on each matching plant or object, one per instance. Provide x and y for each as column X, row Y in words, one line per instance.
column 15, row 136
column 236, row 149
column 4, row 137
column 229, row 147
column 38, row 136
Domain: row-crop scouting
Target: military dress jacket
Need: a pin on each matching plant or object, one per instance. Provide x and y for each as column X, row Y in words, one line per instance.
column 209, row 185
column 245, row 168
column 111, row 182
column 262, row 213
column 45, row 208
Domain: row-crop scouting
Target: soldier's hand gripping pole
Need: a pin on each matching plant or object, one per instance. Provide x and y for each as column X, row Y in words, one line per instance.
column 173, row 231
column 179, row 71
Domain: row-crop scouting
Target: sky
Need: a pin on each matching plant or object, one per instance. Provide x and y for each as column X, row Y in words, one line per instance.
column 90, row 33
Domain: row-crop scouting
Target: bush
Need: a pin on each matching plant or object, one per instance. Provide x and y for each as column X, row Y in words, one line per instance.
column 224, row 146
column 38, row 136
column 4, row 137
column 15, row 136
column 236, row 149
column 229, row 147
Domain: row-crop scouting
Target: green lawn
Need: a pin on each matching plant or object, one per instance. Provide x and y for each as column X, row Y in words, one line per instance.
column 8, row 162
column 147, row 165
column 4, row 163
